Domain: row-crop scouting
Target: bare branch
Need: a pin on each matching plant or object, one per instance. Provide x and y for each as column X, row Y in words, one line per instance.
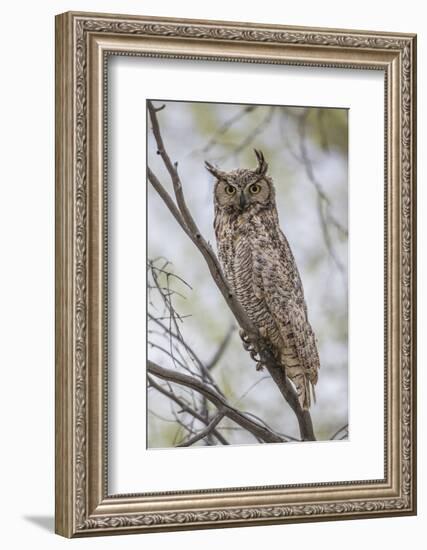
column 203, row 433
column 323, row 201
column 203, row 369
column 251, row 387
column 221, row 349
column 157, row 109
column 251, row 136
column 185, row 407
column 167, row 199
column 176, row 361
column 177, row 343
column 252, row 426
column 226, row 126
column 341, row 431
column 160, row 417
column 169, row 274
column 184, row 426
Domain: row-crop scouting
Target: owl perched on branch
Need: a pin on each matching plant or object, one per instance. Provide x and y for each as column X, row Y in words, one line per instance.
column 261, row 271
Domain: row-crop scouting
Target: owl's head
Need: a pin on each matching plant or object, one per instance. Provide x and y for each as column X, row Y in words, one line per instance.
column 243, row 190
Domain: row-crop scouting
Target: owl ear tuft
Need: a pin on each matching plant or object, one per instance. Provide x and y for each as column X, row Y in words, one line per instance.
column 262, row 167
column 219, row 174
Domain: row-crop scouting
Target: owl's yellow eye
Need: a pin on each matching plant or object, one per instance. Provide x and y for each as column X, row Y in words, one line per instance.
column 255, row 188
column 230, row 190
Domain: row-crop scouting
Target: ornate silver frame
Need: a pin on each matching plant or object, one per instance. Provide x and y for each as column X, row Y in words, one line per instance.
column 83, row 505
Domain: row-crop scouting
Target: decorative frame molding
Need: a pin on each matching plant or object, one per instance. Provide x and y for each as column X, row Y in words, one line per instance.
column 83, row 42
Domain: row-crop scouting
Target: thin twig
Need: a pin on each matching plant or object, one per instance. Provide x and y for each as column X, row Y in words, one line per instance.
column 160, row 417
column 250, row 138
column 169, row 274
column 225, row 127
column 323, row 201
column 185, row 407
column 336, row 434
column 203, row 433
column 251, row 387
column 204, row 370
column 221, row 349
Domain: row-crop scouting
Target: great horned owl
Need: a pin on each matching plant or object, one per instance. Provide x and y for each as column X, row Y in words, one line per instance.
column 261, row 270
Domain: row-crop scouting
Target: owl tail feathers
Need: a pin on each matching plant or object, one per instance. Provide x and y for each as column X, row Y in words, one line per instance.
column 304, row 395
column 305, row 391
column 313, row 391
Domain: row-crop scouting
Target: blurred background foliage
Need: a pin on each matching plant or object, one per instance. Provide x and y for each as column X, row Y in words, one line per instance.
column 307, row 153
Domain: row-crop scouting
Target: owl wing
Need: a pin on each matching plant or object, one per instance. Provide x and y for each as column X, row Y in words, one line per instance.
column 277, row 280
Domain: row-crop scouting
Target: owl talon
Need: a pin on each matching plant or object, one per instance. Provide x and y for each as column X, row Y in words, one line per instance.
column 247, row 344
column 243, row 336
column 251, row 349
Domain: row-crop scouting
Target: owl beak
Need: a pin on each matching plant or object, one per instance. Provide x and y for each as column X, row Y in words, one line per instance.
column 242, row 201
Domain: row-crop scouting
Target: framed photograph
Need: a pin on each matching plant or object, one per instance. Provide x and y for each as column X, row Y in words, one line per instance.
column 235, row 274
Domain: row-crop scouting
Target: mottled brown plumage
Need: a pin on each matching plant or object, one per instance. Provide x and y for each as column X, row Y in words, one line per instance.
column 261, row 270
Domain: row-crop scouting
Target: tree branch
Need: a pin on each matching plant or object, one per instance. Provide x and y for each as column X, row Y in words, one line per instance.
column 343, row 432
column 226, row 125
column 221, row 349
column 186, row 221
column 203, row 369
column 241, row 419
column 205, row 432
column 323, row 201
column 167, row 199
column 185, row 407
column 259, row 128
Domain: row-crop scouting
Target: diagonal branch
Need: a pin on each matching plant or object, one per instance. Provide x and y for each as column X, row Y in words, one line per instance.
column 241, row 419
column 226, row 126
column 186, row 221
column 259, row 128
column 221, row 349
column 185, row 407
column 203, row 433
column 343, row 432
column 203, row 369
column 167, row 199
column 183, row 216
